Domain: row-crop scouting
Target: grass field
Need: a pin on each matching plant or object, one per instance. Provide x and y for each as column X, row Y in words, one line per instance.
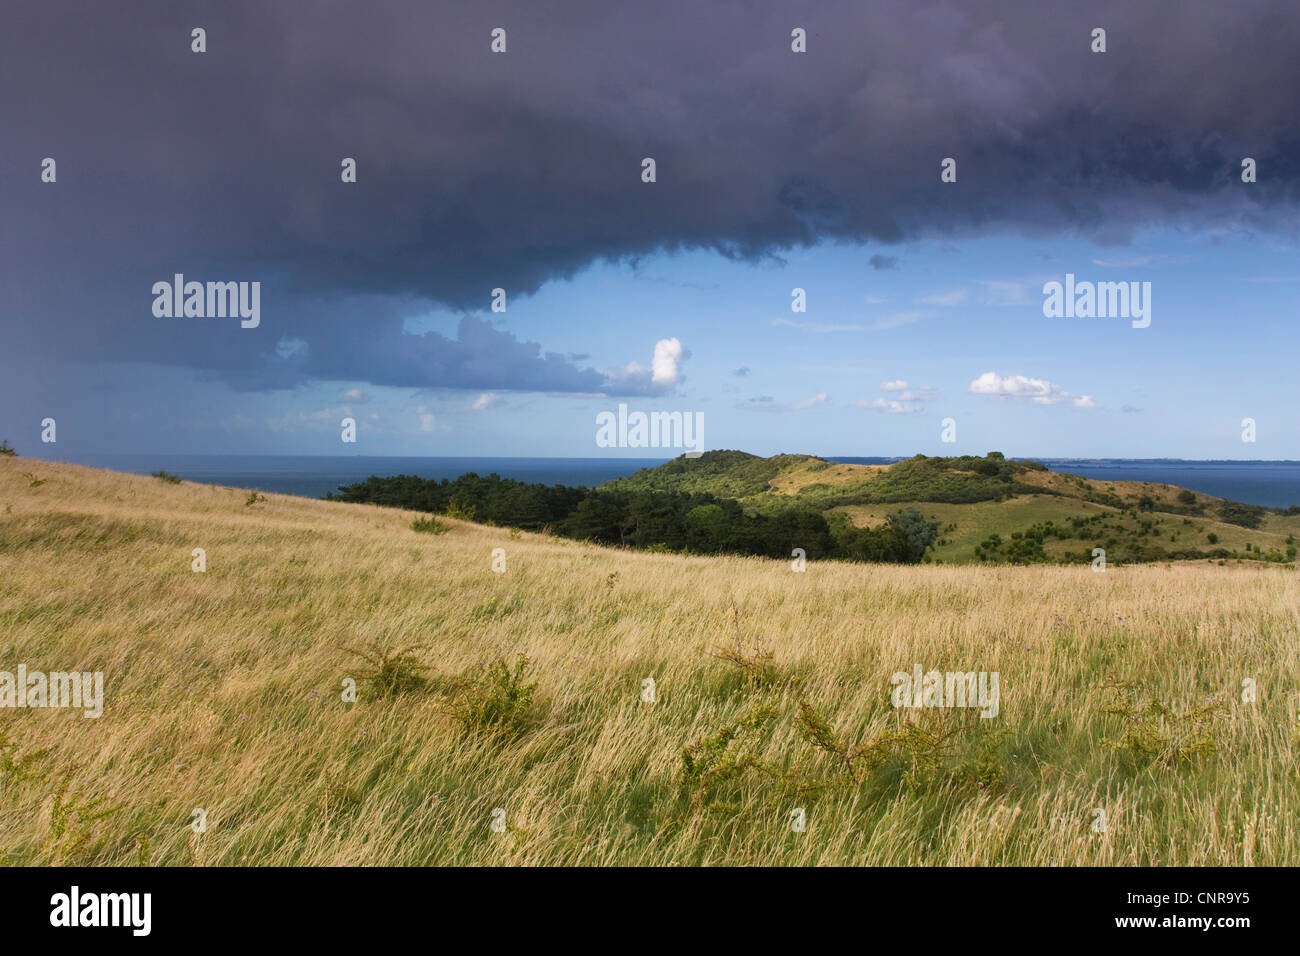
column 1121, row 736
column 963, row 527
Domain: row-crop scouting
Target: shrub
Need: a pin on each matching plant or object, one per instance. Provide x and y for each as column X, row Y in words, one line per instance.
column 1153, row 732
column 852, row 760
column 1247, row 516
column 495, row 698
column 167, row 477
column 143, row 850
column 77, row 830
column 16, row 764
column 254, row 498
column 7, row 449
column 388, row 672
column 459, row 508
column 429, row 525
column 918, row 533
column 940, row 750
column 758, row 665
column 723, row 757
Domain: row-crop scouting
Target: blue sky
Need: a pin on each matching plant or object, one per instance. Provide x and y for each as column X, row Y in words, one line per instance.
column 934, row 314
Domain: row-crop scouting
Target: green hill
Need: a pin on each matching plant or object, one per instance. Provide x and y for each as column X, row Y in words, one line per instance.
column 992, row 509
column 727, row 474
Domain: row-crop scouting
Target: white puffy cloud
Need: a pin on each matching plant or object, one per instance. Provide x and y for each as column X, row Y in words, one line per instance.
column 906, row 396
column 667, row 363
column 1022, row 388
column 891, row 406
column 665, row 372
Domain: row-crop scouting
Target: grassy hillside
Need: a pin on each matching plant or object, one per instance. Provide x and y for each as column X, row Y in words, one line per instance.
column 727, row 474
column 222, row 692
column 993, row 510
column 769, row 482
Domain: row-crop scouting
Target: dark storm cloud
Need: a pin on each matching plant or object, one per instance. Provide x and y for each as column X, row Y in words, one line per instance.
column 478, row 171
column 479, row 356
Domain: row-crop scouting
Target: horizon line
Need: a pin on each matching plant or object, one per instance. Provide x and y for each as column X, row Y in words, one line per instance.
column 617, row 458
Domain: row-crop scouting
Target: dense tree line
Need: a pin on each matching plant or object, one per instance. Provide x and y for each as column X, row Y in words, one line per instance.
column 676, row 521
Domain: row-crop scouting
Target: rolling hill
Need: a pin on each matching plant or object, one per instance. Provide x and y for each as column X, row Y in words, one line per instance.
column 991, row 509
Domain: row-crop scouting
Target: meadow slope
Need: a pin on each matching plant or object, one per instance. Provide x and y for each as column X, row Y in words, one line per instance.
column 223, row 693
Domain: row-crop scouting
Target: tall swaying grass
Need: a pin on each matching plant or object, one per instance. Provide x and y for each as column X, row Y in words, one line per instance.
column 224, row 691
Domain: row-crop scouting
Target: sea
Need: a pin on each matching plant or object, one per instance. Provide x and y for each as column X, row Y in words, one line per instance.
column 1271, row 483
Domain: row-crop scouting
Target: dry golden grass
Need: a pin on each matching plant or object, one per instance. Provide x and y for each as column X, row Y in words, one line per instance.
column 1164, row 496
column 798, row 477
column 223, row 692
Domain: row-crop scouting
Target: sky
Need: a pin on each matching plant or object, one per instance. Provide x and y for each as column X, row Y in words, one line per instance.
column 922, row 299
